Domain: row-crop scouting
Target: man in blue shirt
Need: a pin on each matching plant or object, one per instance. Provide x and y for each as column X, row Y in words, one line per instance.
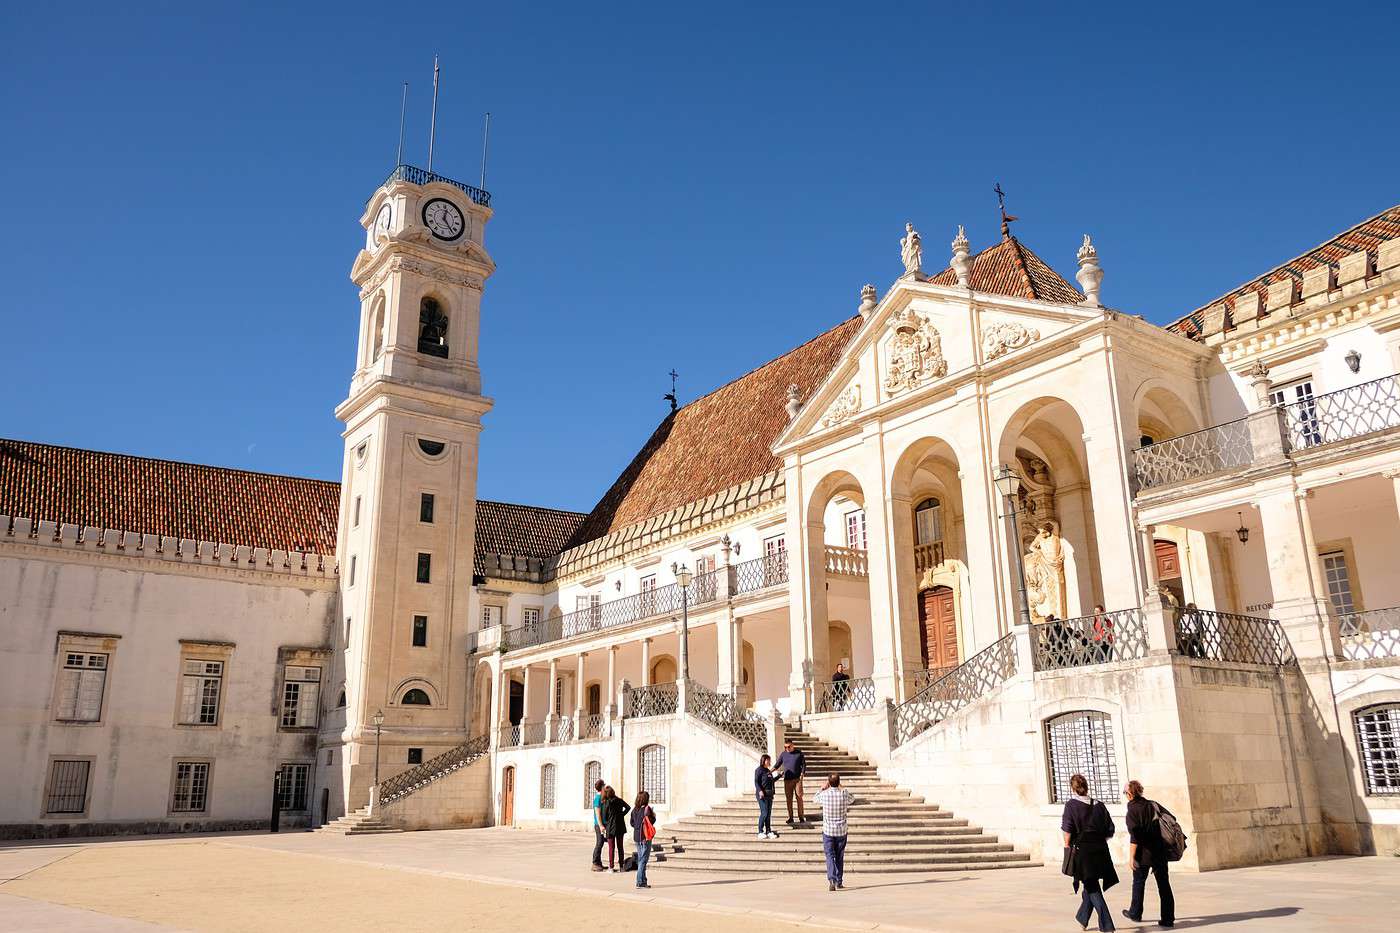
column 792, row 764
column 598, row 786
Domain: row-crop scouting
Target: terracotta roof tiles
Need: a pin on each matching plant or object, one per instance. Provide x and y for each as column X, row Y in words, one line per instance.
column 1010, row 268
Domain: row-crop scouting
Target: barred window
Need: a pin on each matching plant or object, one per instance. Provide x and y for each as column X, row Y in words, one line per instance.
column 425, row 508
column 425, row 568
column 547, row 787
column 200, row 685
column 301, row 693
column 652, row 768
column 1378, row 741
column 420, row 631
column 592, row 774
column 191, row 791
column 68, row 786
column 81, row 684
column 292, row 781
column 1081, row 743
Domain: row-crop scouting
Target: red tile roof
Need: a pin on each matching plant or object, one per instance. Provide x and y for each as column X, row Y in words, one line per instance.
column 1366, row 235
column 1010, row 268
column 523, row 530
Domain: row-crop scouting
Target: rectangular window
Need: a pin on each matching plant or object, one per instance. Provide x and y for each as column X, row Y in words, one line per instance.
column 855, row 529
column 81, row 684
column 191, row 791
column 292, row 781
column 68, row 787
column 1296, row 398
column 352, row 570
column 1338, row 575
column 301, row 693
column 420, row 631
column 425, row 568
column 648, row 600
column 530, row 617
column 200, row 685
column 490, row 615
column 355, row 522
column 415, row 756
column 704, row 565
column 774, row 546
column 425, row 508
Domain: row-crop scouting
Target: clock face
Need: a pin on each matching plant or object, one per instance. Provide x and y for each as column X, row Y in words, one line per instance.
column 381, row 223
column 443, row 219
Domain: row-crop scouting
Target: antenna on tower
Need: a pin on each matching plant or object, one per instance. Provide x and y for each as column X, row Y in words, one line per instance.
column 398, row 159
column 485, row 143
column 432, row 125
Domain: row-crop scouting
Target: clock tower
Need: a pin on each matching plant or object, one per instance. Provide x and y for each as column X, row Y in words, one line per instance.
column 412, row 420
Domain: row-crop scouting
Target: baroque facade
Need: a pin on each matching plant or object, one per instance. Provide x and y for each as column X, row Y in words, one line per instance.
column 1042, row 535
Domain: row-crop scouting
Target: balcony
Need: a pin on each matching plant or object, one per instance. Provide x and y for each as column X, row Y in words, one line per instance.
column 1271, row 435
column 927, row 556
column 847, row 561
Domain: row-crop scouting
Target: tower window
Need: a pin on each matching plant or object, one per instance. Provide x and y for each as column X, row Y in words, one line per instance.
column 420, row 631
column 415, row 697
column 432, row 329
column 356, row 520
column 425, row 508
column 425, row 568
column 431, row 448
column 415, row 756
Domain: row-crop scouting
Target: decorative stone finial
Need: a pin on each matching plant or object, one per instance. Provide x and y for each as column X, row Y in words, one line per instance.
column 868, row 300
column 962, row 266
column 794, row 401
column 1089, row 275
column 911, row 250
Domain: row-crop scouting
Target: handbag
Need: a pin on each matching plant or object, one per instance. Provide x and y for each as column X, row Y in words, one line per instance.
column 648, row 827
column 1071, row 855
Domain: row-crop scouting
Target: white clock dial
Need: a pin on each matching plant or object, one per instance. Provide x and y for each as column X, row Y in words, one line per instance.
column 381, row 223
column 443, row 219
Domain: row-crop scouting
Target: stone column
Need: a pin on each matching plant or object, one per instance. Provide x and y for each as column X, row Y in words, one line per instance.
column 645, row 679
column 744, row 692
column 901, row 655
column 1157, row 615
column 500, row 700
column 551, row 719
column 611, row 712
column 1394, row 477
column 727, row 680
column 579, row 693
column 525, row 705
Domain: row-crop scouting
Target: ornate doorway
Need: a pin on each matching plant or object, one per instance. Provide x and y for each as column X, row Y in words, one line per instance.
column 938, row 627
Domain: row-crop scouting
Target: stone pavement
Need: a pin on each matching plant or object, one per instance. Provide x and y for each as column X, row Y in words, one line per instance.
column 480, row 877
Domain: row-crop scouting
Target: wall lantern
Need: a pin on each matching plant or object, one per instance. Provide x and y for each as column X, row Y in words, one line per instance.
column 1242, row 531
column 1353, row 361
column 1007, row 482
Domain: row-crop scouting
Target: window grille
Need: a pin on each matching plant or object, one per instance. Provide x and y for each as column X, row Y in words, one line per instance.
column 420, row 631
column 558, row 695
column 425, row 508
column 80, row 687
column 592, row 774
column 1081, row 743
column 191, row 793
column 1378, row 741
column 68, row 787
column 291, row 786
column 201, row 683
column 547, row 787
column 432, row 329
column 301, row 693
column 425, row 568
column 1338, row 575
column 652, row 768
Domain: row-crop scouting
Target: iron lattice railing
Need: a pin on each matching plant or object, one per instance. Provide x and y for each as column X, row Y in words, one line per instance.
column 844, row 695
column 974, row 678
column 1371, row 634
column 653, row 700
column 401, row 785
column 761, row 573
column 1227, row 636
column 1222, row 447
column 421, row 176
column 533, row 733
column 723, row 712
column 664, row 600
column 919, row 680
column 1345, row 414
column 1100, row 638
column 591, row 728
column 510, row 736
column 564, row 729
column 846, row 561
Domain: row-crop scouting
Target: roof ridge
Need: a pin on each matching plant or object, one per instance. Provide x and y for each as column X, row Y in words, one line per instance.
column 1021, row 265
column 186, row 463
column 538, row 508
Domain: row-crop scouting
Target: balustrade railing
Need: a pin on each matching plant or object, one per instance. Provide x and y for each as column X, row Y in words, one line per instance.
column 1093, row 639
column 406, row 782
column 761, row 573
column 533, row 734
column 976, row 677
column 1344, row 414
column 723, row 712
column 927, row 556
column 653, row 700
column 564, row 729
column 1371, row 634
column 839, row 696
column 1222, row 447
column 920, row 679
column 846, row 561
column 510, row 736
column 1228, row 636
column 421, row 176
column 591, row 727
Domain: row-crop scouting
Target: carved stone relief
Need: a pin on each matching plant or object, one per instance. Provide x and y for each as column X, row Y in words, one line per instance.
column 1001, row 337
column 846, row 405
column 913, row 352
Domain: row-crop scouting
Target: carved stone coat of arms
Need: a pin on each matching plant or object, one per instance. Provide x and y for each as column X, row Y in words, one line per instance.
column 914, row 352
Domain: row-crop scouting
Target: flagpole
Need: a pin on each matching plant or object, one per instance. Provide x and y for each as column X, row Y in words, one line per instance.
column 485, row 142
column 432, row 126
column 403, row 103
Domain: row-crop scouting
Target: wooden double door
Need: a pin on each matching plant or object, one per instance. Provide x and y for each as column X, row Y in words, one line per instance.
column 938, row 627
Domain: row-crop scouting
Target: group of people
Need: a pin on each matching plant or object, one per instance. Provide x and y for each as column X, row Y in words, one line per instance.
column 834, row 800
column 1087, row 827
column 612, row 818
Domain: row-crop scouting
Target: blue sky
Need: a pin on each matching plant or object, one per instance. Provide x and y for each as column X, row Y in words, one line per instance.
column 699, row 187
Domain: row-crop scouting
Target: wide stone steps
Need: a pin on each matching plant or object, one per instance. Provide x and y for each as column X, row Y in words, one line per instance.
column 891, row 829
column 359, row 823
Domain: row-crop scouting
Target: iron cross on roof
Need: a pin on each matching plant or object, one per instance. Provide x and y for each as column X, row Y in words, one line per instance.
column 672, row 397
column 1006, row 219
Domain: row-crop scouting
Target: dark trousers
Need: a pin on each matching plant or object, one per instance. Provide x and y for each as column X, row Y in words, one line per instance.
column 615, row 842
column 597, row 846
column 835, row 849
column 790, row 787
column 1090, row 900
column 1158, row 868
column 765, row 814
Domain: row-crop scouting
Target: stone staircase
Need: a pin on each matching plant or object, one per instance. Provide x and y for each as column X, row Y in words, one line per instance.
column 359, row 823
column 891, row 830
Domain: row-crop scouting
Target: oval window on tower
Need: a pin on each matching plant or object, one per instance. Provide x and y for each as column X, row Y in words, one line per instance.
column 431, row 448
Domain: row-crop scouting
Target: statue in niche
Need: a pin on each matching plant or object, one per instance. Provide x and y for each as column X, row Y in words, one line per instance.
column 1045, row 574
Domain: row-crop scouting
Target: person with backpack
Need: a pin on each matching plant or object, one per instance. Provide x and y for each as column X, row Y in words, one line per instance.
column 1153, row 832
column 1087, row 828
column 615, row 811
column 643, row 832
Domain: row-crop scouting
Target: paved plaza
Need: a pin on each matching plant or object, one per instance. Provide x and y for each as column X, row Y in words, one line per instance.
column 502, row 879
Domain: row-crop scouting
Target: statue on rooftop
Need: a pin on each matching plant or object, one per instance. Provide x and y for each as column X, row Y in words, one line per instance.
column 911, row 250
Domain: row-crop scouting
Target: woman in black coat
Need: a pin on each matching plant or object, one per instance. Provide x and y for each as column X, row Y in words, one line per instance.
column 615, row 811
column 1087, row 828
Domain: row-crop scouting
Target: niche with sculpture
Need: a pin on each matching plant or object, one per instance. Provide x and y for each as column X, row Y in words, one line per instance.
column 1042, row 547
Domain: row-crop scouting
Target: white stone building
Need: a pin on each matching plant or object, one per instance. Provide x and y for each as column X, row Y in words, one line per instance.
column 935, row 493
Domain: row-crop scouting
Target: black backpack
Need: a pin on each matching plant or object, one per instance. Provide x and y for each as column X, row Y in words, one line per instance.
column 1173, row 837
column 630, row 863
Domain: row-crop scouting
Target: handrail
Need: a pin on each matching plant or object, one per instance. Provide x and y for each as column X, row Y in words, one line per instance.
column 846, row 561
column 1344, row 414
column 724, row 713
column 1374, row 633
column 408, row 782
column 421, row 176
column 761, row 573
column 1100, row 638
column 839, row 696
column 1227, row 636
column 969, row 681
column 1226, row 446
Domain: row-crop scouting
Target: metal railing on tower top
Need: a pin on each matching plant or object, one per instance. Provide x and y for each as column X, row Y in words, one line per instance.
column 421, row 176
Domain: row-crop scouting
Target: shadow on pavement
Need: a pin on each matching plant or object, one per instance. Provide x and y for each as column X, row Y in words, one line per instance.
column 1272, row 912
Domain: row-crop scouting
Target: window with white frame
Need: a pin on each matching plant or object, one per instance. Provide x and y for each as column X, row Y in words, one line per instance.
column 648, row 600
column 928, row 522
column 592, row 603
column 651, row 760
column 530, row 617
column 301, row 693
column 201, row 685
column 855, row 529
column 1296, row 398
column 1338, row 576
column 190, row 793
column 592, row 774
column 490, row 616
column 1081, row 742
column 704, row 564
column 774, row 546
column 292, row 783
column 547, row 772
column 82, row 681
column 774, row 559
column 68, row 786
column 1378, row 747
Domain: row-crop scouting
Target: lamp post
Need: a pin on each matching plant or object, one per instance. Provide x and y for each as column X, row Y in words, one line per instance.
column 378, row 720
column 1009, row 484
column 683, row 578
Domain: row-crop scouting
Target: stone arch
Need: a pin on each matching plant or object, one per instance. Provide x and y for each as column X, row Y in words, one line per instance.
column 1161, row 413
column 433, row 325
column 839, row 592
column 664, row 670
column 415, row 683
column 481, row 711
column 375, row 340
